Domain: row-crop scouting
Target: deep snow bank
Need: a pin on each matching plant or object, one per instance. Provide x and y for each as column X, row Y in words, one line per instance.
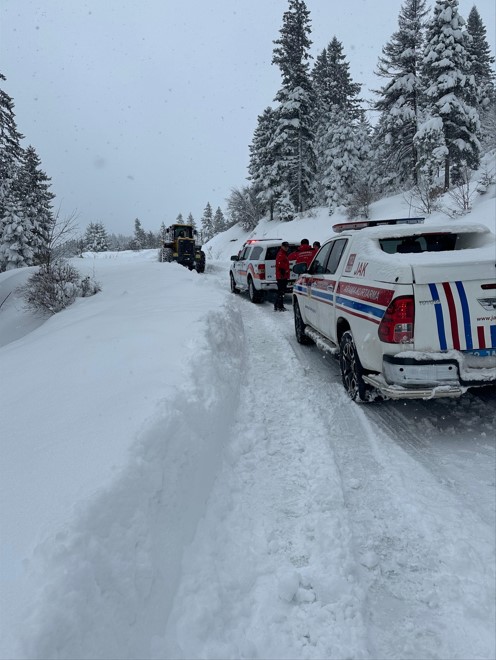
column 106, row 584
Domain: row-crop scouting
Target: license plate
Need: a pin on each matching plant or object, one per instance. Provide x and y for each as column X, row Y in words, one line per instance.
column 482, row 352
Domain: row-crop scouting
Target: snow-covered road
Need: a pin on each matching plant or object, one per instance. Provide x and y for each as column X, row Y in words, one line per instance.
column 228, row 500
column 337, row 530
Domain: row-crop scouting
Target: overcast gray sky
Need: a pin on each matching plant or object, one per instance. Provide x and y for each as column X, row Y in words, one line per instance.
column 146, row 108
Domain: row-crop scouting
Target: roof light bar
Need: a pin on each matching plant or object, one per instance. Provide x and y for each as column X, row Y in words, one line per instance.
column 362, row 224
column 259, row 240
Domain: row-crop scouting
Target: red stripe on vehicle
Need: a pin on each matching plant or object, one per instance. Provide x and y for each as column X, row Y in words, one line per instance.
column 481, row 336
column 368, row 293
column 324, row 285
column 453, row 317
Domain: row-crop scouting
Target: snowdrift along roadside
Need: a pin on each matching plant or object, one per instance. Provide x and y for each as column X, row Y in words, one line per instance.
column 126, row 400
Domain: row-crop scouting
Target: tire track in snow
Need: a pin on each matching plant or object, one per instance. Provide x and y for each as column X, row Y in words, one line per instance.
column 428, row 558
column 271, row 572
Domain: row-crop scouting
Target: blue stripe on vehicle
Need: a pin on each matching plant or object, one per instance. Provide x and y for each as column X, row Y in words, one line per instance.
column 439, row 318
column 363, row 307
column 493, row 336
column 322, row 295
column 466, row 315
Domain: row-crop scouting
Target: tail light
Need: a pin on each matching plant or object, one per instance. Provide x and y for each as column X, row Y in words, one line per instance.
column 397, row 323
column 261, row 271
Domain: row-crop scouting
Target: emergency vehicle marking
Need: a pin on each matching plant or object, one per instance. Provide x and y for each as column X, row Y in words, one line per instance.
column 300, row 288
column 481, row 335
column 347, row 305
column 439, row 318
column 361, row 268
column 453, row 315
column 322, row 296
column 252, row 272
column 368, row 293
column 351, row 261
column 466, row 315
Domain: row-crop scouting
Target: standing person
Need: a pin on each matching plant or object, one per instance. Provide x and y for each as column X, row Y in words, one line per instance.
column 316, row 248
column 304, row 253
column 282, row 276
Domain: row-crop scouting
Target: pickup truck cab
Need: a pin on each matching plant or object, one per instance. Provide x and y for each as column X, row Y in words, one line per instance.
column 410, row 310
column 254, row 268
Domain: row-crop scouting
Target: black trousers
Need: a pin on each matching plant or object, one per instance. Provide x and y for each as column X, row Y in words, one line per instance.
column 282, row 285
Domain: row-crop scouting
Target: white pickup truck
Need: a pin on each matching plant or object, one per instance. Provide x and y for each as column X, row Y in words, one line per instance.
column 410, row 309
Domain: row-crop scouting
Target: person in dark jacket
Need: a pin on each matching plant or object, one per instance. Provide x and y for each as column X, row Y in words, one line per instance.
column 282, row 276
column 304, row 253
column 316, row 248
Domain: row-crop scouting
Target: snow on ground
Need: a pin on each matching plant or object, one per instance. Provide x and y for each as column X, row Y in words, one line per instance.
column 110, row 435
column 180, row 478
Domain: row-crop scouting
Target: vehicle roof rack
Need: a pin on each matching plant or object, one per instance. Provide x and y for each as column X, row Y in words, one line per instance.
column 362, row 224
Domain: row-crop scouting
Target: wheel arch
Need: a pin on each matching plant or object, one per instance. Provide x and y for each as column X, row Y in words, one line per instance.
column 342, row 325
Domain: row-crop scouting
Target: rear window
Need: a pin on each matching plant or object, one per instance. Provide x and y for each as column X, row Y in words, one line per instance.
column 256, row 252
column 272, row 251
column 423, row 243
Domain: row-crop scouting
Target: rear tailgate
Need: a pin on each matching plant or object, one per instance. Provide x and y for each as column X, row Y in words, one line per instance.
column 270, row 272
column 455, row 308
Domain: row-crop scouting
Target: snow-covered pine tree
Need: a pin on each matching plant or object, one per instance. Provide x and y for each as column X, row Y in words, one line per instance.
column 399, row 99
column 244, row 207
column 262, row 159
column 482, row 68
column 151, row 240
column 11, row 154
column 207, row 223
column 218, row 222
column 344, row 158
column 334, row 89
column 294, row 165
column 16, row 234
column 139, row 239
column 191, row 221
column 36, row 201
column 432, row 153
column 162, row 233
column 449, row 89
column 332, row 82
column 179, row 219
column 95, row 239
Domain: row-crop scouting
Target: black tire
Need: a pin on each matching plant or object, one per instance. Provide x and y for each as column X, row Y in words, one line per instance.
column 255, row 296
column 167, row 255
column 352, row 370
column 234, row 288
column 301, row 337
column 200, row 267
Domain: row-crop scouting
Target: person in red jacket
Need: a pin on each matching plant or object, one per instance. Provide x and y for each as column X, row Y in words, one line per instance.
column 282, row 276
column 304, row 253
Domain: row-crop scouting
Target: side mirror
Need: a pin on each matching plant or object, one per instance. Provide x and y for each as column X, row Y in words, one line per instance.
column 234, row 257
column 300, row 268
